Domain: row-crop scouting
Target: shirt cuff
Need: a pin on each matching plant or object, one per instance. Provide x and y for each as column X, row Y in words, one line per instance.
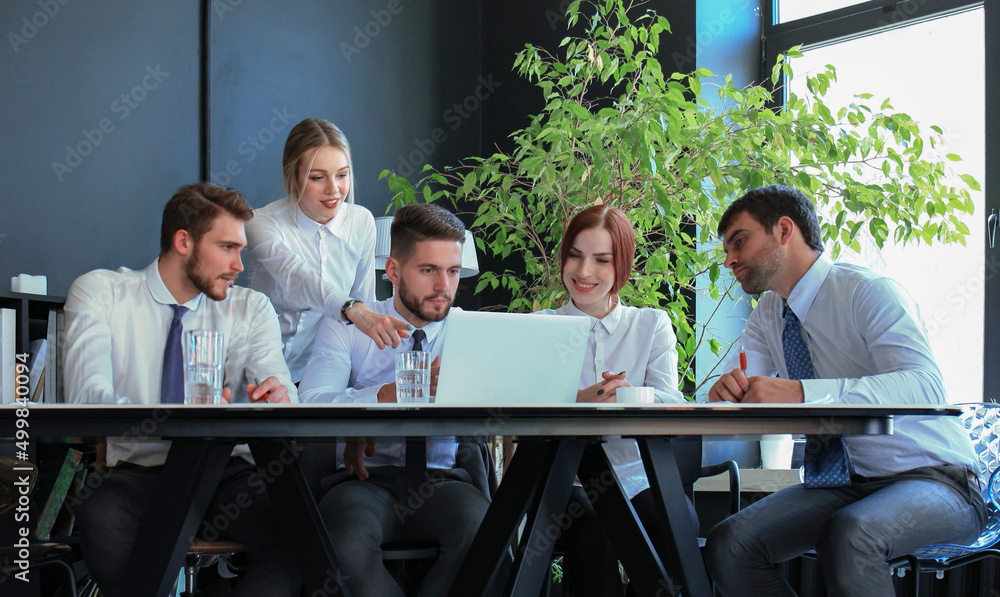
column 819, row 391
column 368, row 395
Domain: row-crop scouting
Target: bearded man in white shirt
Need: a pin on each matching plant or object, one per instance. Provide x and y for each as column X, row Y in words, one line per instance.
column 841, row 334
column 347, row 367
column 118, row 333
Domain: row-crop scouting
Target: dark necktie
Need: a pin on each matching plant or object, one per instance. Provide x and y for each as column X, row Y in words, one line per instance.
column 418, row 339
column 172, row 379
column 416, row 447
column 826, row 461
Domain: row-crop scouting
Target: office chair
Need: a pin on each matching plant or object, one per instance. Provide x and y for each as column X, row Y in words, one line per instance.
column 983, row 424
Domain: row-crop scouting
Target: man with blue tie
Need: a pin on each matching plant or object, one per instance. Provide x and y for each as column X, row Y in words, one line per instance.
column 835, row 333
column 123, row 333
column 371, row 494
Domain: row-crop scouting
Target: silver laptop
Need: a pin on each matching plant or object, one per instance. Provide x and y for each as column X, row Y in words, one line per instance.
column 507, row 359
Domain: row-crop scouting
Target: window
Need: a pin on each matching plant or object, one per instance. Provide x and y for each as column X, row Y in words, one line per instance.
column 932, row 68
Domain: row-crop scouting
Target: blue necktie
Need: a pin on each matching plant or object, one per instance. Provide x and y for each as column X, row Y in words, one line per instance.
column 826, row 460
column 172, row 380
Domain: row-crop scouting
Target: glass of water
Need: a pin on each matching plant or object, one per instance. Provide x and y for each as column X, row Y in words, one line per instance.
column 413, row 377
column 203, row 358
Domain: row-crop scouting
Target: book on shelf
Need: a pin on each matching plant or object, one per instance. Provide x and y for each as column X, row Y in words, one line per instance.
column 66, row 519
column 60, row 340
column 58, row 494
column 8, row 354
column 50, row 358
column 36, row 366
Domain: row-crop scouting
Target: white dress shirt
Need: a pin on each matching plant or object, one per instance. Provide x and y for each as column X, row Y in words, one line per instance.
column 868, row 346
column 640, row 342
column 309, row 269
column 347, row 367
column 116, row 331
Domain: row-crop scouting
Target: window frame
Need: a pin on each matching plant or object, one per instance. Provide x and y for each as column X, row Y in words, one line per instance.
column 876, row 16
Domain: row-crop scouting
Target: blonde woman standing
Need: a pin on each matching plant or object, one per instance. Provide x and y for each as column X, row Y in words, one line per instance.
column 313, row 252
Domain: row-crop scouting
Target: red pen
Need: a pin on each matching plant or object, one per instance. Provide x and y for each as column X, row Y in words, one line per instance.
column 743, row 359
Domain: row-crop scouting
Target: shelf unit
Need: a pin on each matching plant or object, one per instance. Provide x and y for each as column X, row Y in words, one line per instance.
column 32, row 315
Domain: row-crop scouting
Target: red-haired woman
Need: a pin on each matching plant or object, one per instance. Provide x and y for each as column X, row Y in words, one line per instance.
column 627, row 346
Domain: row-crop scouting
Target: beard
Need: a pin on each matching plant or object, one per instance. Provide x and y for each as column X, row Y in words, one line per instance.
column 757, row 277
column 416, row 305
column 202, row 282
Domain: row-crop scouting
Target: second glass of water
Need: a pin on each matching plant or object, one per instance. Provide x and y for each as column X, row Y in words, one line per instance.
column 203, row 359
column 413, row 377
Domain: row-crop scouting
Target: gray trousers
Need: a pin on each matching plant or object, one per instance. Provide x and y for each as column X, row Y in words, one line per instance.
column 855, row 530
column 362, row 515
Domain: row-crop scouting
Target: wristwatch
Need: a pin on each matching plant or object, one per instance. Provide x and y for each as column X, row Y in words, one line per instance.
column 347, row 307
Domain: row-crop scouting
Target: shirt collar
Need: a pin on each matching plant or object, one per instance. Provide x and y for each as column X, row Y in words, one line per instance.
column 161, row 293
column 801, row 298
column 310, row 226
column 609, row 322
column 432, row 329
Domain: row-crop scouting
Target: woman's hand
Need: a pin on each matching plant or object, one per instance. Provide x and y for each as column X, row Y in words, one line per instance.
column 385, row 330
column 604, row 390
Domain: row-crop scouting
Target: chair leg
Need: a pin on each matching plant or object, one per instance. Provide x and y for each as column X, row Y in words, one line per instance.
column 190, row 580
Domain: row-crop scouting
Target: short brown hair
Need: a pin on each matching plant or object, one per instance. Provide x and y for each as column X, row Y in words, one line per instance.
column 194, row 208
column 420, row 222
column 309, row 134
column 622, row 234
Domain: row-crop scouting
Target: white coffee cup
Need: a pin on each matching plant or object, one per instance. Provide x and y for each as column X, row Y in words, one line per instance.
column 633, row 395
column 776, row 451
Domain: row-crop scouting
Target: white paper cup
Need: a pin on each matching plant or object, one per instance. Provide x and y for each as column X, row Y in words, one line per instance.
column 203, row 357
column 776, row 451
column 413, row 377
column 632, row 395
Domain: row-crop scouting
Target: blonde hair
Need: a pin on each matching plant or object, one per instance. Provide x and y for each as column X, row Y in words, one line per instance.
column 311, row 133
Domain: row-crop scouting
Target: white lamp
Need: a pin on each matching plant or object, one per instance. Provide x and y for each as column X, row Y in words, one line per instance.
column 383, row 243
column 470, row 263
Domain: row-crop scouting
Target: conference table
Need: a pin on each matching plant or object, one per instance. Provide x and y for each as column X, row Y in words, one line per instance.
column 556, row 444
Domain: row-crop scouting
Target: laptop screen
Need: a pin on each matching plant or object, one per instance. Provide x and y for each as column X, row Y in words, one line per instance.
column 505, row 359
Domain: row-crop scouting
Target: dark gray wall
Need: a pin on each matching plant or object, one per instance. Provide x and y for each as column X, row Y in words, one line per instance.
column 86, row 171
column 389, row 73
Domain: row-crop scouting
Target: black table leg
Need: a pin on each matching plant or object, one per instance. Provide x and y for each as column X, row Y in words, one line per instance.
column 299, row 518
column 534, row 554
column 668, row 496
column 190, row 477
column 521, row 490
column 620, row 523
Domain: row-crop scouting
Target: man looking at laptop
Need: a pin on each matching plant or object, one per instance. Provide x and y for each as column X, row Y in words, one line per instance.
column 364, row 512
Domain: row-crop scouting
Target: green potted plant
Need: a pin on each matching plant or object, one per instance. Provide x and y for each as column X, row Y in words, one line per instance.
column 660, row 150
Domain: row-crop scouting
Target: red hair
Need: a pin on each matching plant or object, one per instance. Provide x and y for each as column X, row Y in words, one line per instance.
column 622, row 234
